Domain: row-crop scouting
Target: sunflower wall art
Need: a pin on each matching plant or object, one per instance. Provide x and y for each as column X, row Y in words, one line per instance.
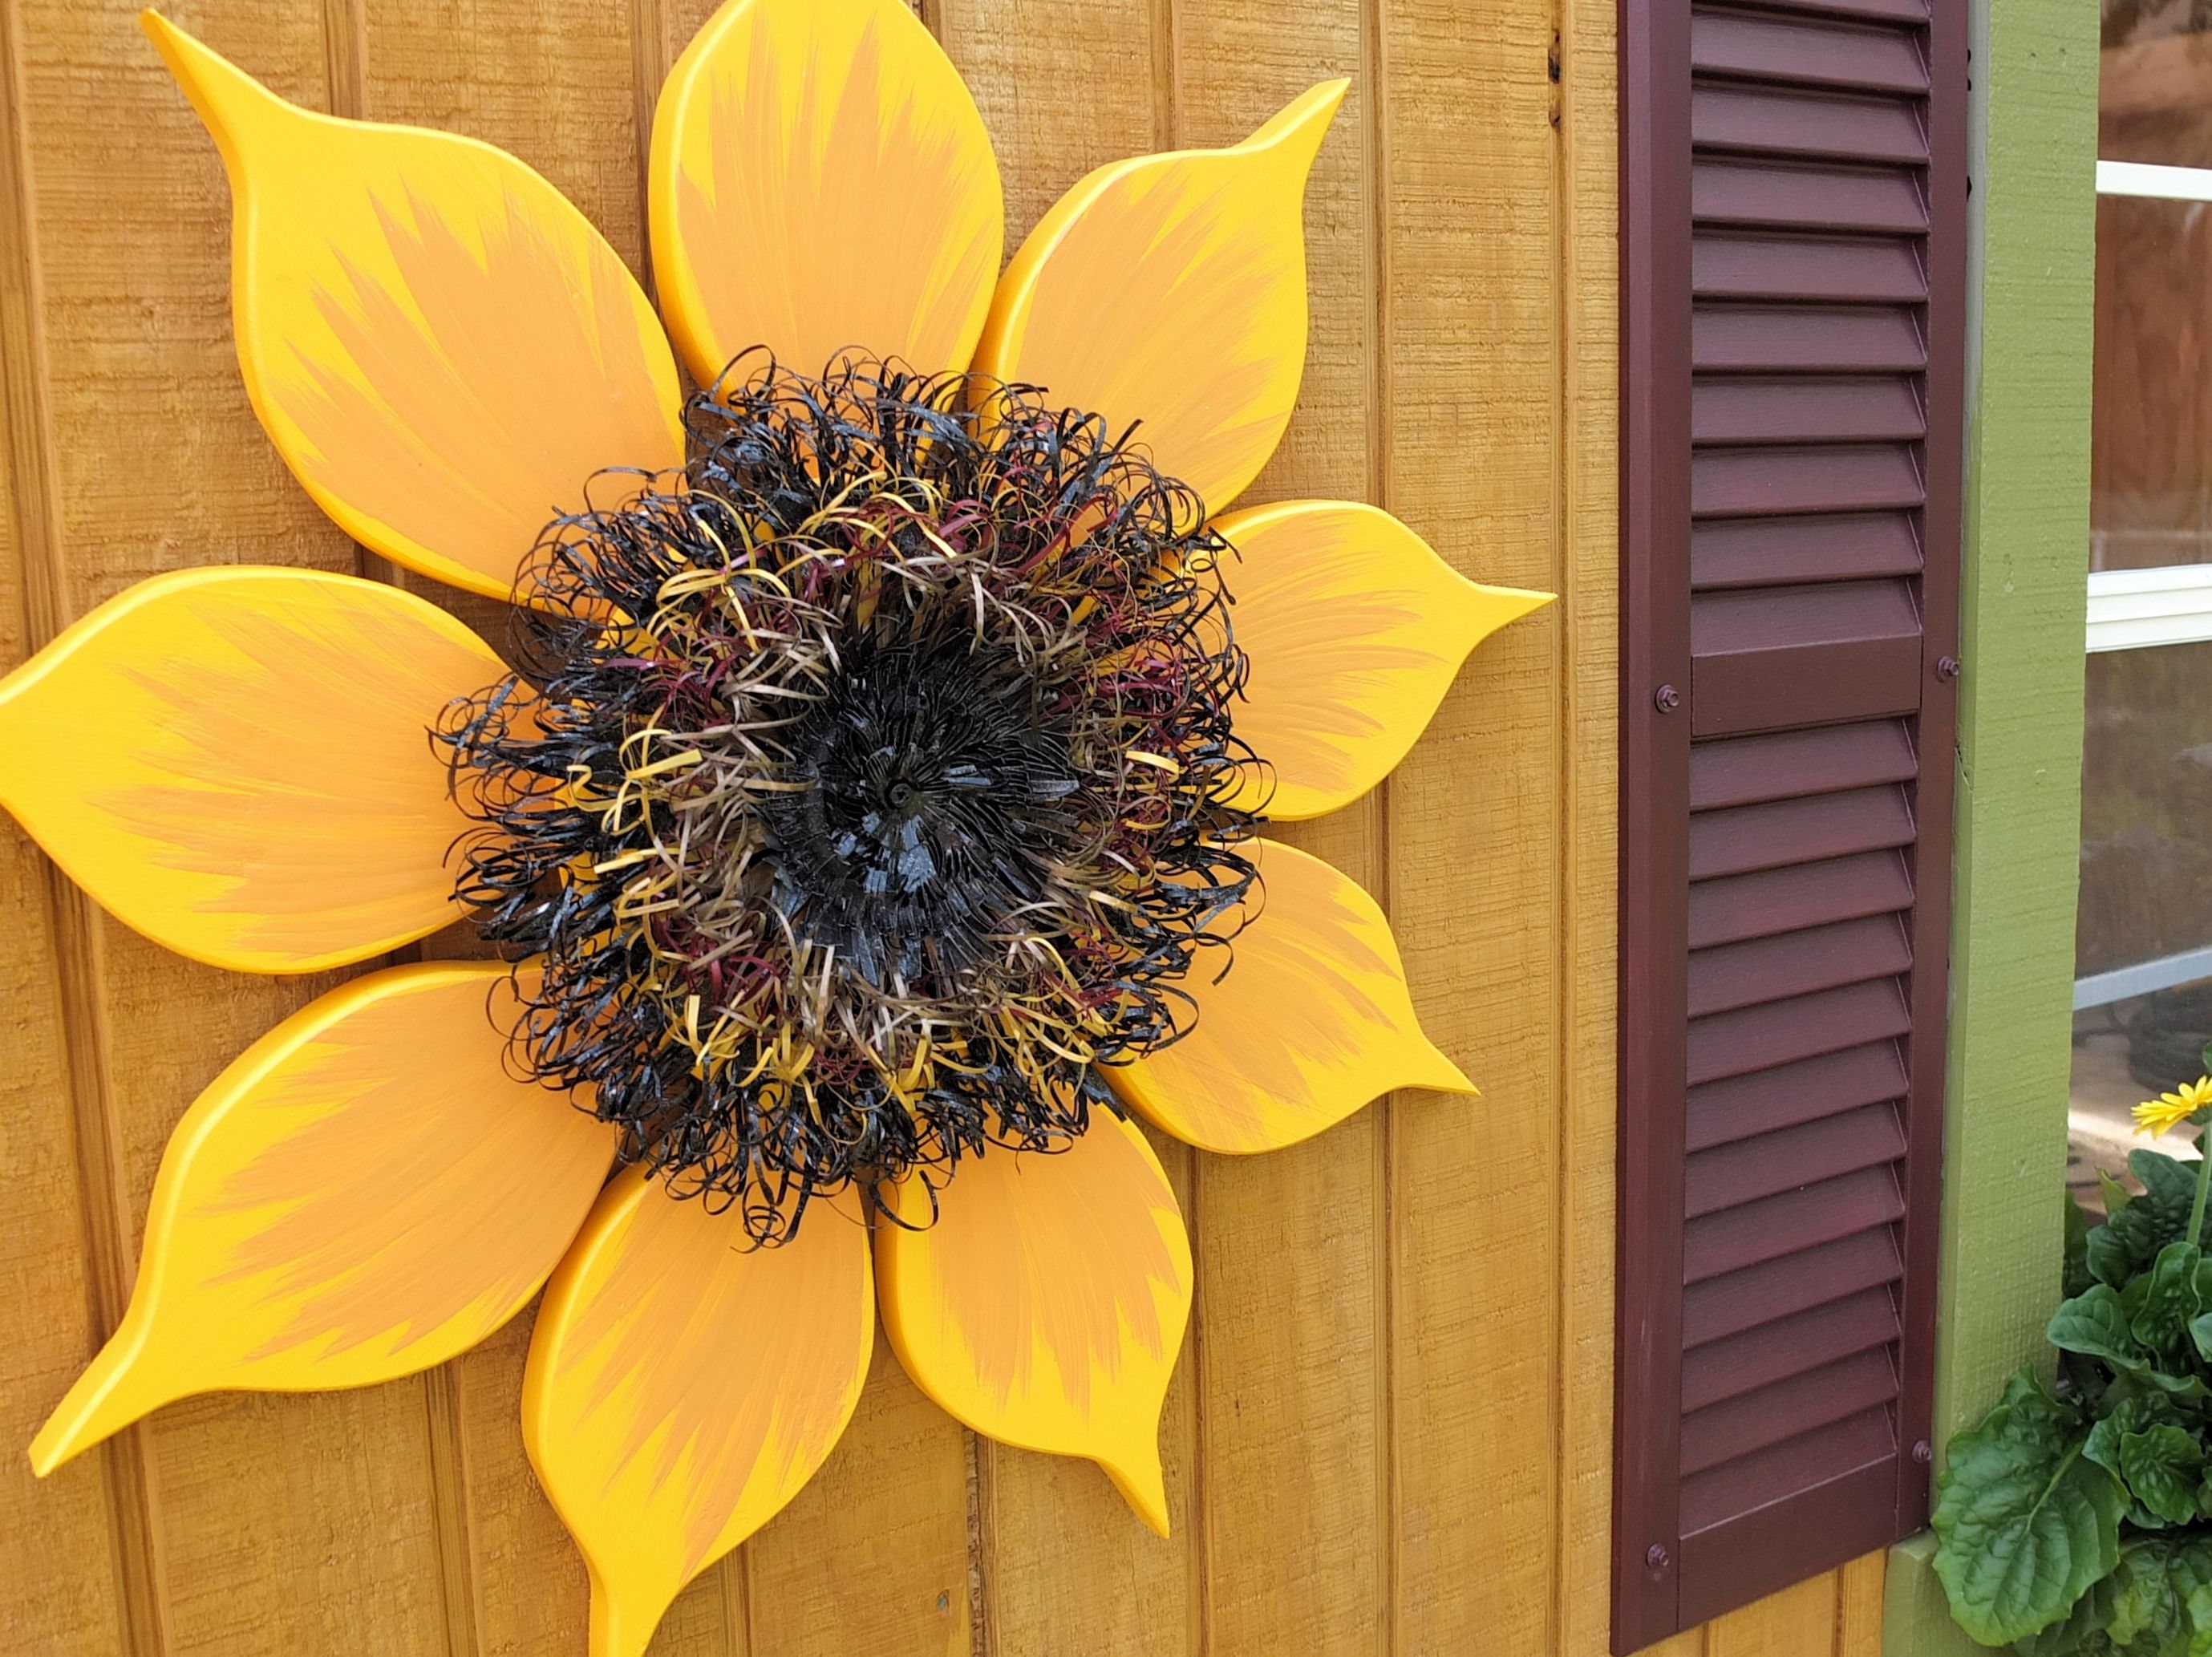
column 867, row 803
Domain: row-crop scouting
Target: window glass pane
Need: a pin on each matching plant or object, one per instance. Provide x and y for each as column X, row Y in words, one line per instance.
column 2145, row 807
column 2153, row 437
column 2146, row 897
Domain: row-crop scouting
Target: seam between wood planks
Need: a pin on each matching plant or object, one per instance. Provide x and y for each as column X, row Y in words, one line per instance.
column 1564, row 454
column 1375, row 187
column 1165, row 25
column 649, row 60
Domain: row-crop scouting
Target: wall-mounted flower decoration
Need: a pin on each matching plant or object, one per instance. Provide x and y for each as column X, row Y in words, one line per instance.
column 869, row 815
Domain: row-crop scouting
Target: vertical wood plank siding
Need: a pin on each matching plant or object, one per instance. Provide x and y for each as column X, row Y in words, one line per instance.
column 1391, row 1428
column 1794, row 274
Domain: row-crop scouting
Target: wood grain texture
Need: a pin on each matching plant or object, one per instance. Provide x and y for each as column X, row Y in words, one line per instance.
column 1588, row 471
column 1474, row 324
column 64, row 1578
column 1300, row 1427
column 1400, row 1361
column 130, row 282
column 1057, row 1569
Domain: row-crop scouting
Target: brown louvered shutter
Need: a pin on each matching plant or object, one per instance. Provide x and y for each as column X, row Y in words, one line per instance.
column 1794, row 212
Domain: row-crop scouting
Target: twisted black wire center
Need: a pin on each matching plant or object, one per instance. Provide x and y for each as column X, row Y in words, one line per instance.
column 927, row 800
column 864, row 793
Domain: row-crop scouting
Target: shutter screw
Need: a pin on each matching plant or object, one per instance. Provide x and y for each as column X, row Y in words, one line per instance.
column 1946, row 667
column 1922, row 1452
column 1666, row 698
column 1655, row 1556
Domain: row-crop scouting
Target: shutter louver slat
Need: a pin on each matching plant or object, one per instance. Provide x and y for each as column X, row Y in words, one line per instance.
column 1788, row 1346
column 1771, row 969
column 1887, row 11
column 1805, row 337
column 1737, row 1490
column 1739, row 906
column 1741, row 192
column 1793, row 211
column 1751, row 46
column 1753, row 1038
column 1768, row 410
column 1750, row 265
column 1774, row 1163
column 1775, row 1290
column 1739, row 839
column 1782, row 1097
column 1733, row 119
column 1751, row 769
column 1769, row 483
column 1752, row 1233
column 1784, row 1409
column 1760, row 552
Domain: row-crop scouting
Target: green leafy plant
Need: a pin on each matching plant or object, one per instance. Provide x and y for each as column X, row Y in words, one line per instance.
column 2074, row 1519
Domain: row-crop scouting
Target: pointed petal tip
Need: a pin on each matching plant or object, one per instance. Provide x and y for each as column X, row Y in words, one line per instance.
column 1529, row 598
column 54, row 1445
column 1487, row 610
column 1137, row 1476
column 1445, row 1076
column 219, row 89
column 105, row 1399
column 1302, row 124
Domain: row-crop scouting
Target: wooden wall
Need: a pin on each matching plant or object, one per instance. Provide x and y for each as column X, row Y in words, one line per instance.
column 1391, row 1428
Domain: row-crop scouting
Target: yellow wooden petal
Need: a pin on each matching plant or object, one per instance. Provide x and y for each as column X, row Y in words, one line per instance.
column 1172, row 289
column 683, row 1387
column 443, row 349
column 820, row 179
column 1045, row 1305
column 237, row 762
column 367, row 1192
column 1310, row 1021
column 1355, row 629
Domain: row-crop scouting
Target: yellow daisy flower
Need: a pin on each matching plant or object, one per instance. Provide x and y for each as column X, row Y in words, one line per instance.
column 827, row 912
column 2170, row 1110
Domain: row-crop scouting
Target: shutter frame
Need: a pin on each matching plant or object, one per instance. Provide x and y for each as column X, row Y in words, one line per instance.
column 1775, row 330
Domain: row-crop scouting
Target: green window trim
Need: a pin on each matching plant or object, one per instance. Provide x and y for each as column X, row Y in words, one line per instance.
column 2032, row 148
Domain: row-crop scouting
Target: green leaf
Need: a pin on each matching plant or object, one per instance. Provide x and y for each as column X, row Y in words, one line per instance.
column 2103, row 1444
column 2162, row 1467
column 2148, row 1607
column 2082, row 1634
column 2096, row 1324
column 2134, row 1413
column 2200, row 1622
column 2115, row 1194
column 2190, row 1565
column 2170, row 1185
column 2142, row 1599
column 2025, row 1522
column 2112, row 1254
column 2130, row 1238
column 2169, row 1299
column 2073, row 1277
column 2099, row 1323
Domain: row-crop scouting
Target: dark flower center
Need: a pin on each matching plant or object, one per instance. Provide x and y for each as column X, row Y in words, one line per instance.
column 929, row 799
column 861, row 794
